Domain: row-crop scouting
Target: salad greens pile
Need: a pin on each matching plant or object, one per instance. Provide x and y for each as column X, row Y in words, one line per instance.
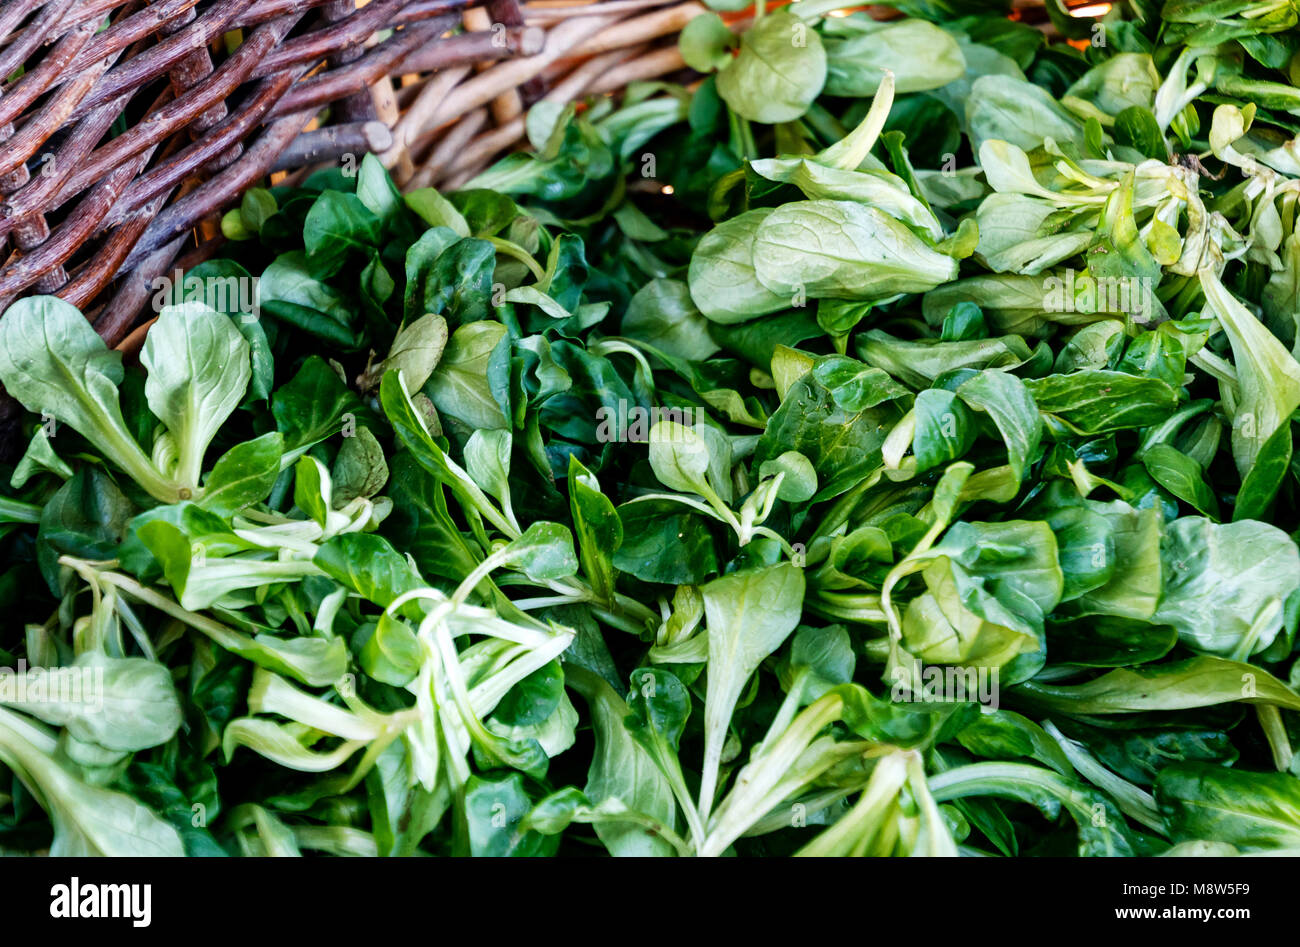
column 882, row 446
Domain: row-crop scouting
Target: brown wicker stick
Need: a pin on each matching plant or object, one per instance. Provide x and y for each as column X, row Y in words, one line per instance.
column 183, row 214
column 650, row 26
column 508, row 13
column 32, row 38
column 264, row 11
column 37, row 195
column 451, row 146
column 386, row 108
column 143, row 25
column 458, row 167
column 478, row 20
column 14, row 12
column 621, row 41
column 332, row 142
column 546, row 13
column 380, row 61
column 110, row 187
column 464, row 163
column 469, row 48
column 94, row 10
column 161, row 59
column 184, row 162
column 652, row 65
column 49, row 27
column 32, row 231
column 477, row 156
column 102, row 208
column 34, row 84
column 346, row 34
column 89, row 280
column 114, row 321
column 67, row 238
column 93, row 214
column 195, row 157
column 424, row 8
column 433, row 92
column 178, row 113
column 189, row 71
column 605, row 37
column 429, row 112
column 357, row 108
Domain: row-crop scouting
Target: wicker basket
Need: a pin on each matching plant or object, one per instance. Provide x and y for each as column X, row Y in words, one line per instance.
column 116, row 142
column 121, row 146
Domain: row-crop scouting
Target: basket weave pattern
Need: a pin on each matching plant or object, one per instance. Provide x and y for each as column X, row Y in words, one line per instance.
column 120, row 130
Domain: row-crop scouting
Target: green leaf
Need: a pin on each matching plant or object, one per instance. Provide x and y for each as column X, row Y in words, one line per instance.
column 659, row 706
column 495, row 807
column 487, row 460
column 1253, row 811
column 598, row 529
column 1268, row 378
column 52, row 361
column 663, row 544
column 459, row 387
column 723, row 281
column 368, row 565
column 312, row 489
column 375, row 190
column 843, row 250
column 436, row 211
column 360, row 469
column 1182, row 477
column 313, row 405
column 291, row 291
column 88, row 820
column 543, row 553
column 198, row 372
column 1226, row 585
column 838, row 416
column 1260, row 487
column 1101, row 828
column 1094, row 401
column 87, row 517
column 945, row 429
column 679, row 457
column 533, row 699
column 1179, row 685
column 859, row 51
column 1007, row 400
column 748, row 615
column 339, row 224
column 244, row 474
column 392, row 653
column 780, row 69
column 706, row 43
column 1006, row 735
column 1136, row 126
column 415, row 353
column 117, row 703
column 662, row 314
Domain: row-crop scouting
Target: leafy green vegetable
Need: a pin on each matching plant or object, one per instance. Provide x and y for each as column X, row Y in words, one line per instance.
column 882, row 446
